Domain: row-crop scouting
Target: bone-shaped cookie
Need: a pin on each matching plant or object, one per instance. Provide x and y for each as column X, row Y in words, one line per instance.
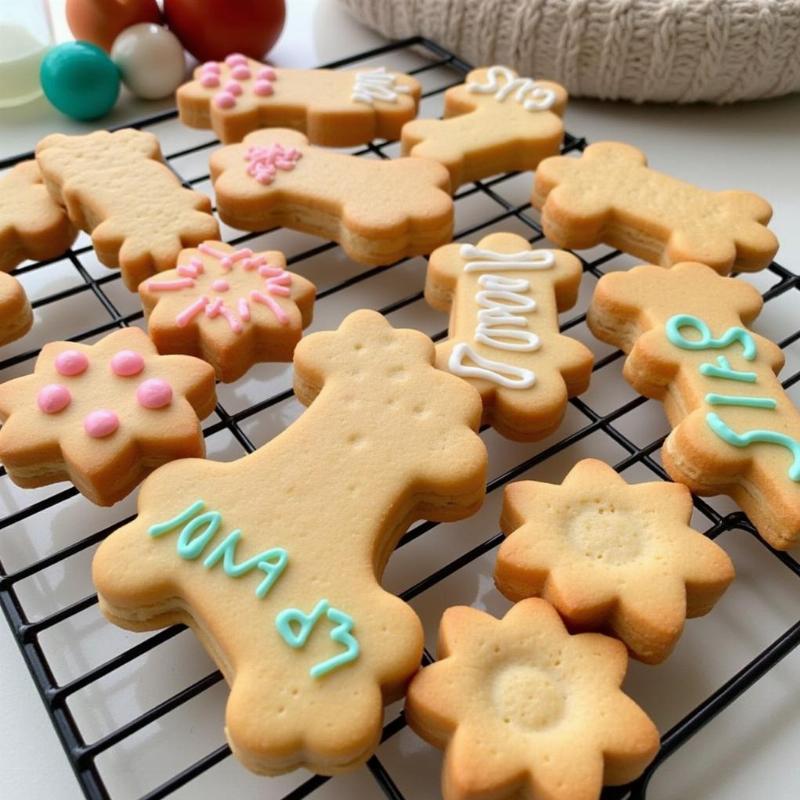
column 610, row 195
column 334, row 108
column 379, row 211
column 494, row 122
column 504, row 298
column 117, row 187
column 275, row 559
column 32, row 224
column 233, row 308
column 735, row 430
column 16, row 316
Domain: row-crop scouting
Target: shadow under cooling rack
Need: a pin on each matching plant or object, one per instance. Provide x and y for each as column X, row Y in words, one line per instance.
column 396, row 289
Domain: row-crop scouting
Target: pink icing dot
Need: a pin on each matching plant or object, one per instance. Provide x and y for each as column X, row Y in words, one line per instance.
column 236, row 59
column 224, row 100
column 71, row 362
column 266, row 74
column 154, row 393
column 209, row 80
column 241, row 72
column 127, row 363
column 233, row 88
column 263, row 88
column 100, row 423
column 210, row 66
column 220, row 285
column 53, row 398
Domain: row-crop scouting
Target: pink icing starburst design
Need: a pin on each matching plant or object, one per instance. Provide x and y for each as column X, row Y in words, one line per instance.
column 277, row 283
column 266, row 161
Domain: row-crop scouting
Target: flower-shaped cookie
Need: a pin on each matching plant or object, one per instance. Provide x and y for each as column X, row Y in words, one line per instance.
column 32, row 224
column 103, row 416
column 612, row 556
column 233, row 308
column 16, row 316
column 524, row 709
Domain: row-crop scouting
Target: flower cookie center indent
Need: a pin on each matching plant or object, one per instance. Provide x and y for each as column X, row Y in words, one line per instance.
column 527, row 697
column 602, row 532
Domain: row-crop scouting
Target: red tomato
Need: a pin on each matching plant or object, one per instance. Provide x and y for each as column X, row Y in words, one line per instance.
column 212, row 29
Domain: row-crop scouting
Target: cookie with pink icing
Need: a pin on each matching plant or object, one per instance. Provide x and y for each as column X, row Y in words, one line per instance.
column 232, row 307
column 334, row 108
column 104, row 415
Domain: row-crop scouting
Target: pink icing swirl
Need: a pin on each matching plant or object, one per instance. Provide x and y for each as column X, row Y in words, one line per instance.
column 53, row 398
column 71, row 363
column 127, row 363
column 154, row 393
column 266, row 161
column 101, row 423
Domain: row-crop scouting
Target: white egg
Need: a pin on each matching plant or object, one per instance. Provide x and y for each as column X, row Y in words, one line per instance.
column 150, row 60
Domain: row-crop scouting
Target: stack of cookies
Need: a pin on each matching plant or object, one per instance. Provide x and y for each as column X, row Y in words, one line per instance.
column 275, row 560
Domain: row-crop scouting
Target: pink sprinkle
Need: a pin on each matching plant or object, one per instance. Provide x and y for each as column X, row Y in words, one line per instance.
column 127, row 363
column 241, row 72
column 187, row 271
column 189, row 313
column 220, row 285
column 233, row 321
column 263, row 88
column 172, row 286
column 210, row 66
column 244, row 309
column 255, row 261
column 101, row 423
column 71, row 362
column 259, row 297
column 53, row 398
column 224, row 100
column 154, row 393
column 269, row 272
column 213, row 308
column 235, row 60
column 233, row 88
column 209, row 80
column 266, row 74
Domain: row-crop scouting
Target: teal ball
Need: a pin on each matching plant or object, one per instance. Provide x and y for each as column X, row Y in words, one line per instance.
column 80, row 80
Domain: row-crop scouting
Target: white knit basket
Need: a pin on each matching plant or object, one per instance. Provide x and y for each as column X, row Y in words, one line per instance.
column 680, row 51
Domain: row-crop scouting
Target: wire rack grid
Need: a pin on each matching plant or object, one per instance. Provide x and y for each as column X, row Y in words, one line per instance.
column 119, row 701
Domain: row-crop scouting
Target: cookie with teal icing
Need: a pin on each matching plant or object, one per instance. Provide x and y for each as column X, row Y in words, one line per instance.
column 735, row 429
column 275, row 559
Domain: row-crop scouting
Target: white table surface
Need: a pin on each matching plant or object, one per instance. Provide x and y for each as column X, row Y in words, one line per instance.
column 754, row 146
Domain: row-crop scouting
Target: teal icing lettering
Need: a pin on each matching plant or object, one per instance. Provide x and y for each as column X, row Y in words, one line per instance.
column 191, row 546
column 298, row 636
column 739, row 400
column 272, row 562
column 165, row 527
column 723, row 370
column 706, row 340
column 755, row 437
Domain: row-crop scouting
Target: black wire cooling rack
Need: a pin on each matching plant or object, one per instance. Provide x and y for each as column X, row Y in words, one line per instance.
column 83, row 755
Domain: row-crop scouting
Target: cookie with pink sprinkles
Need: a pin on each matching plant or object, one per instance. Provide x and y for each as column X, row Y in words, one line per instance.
column 231, row 307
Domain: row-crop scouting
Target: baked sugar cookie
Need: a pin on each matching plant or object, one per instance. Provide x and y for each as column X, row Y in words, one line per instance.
column 611, row 556
column 16, row 316
column 230, row 307
column 735, row 429
column 504, row 298
column 275, row 559
column 32, row 224
column 523, row 709
column 610, row 195
column 334, row 108
column 379, row 211
column 104, row 415
column 117, row 187
column 495, row 122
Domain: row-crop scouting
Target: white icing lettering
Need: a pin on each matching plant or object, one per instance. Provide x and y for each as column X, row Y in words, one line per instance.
column 530, row 95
